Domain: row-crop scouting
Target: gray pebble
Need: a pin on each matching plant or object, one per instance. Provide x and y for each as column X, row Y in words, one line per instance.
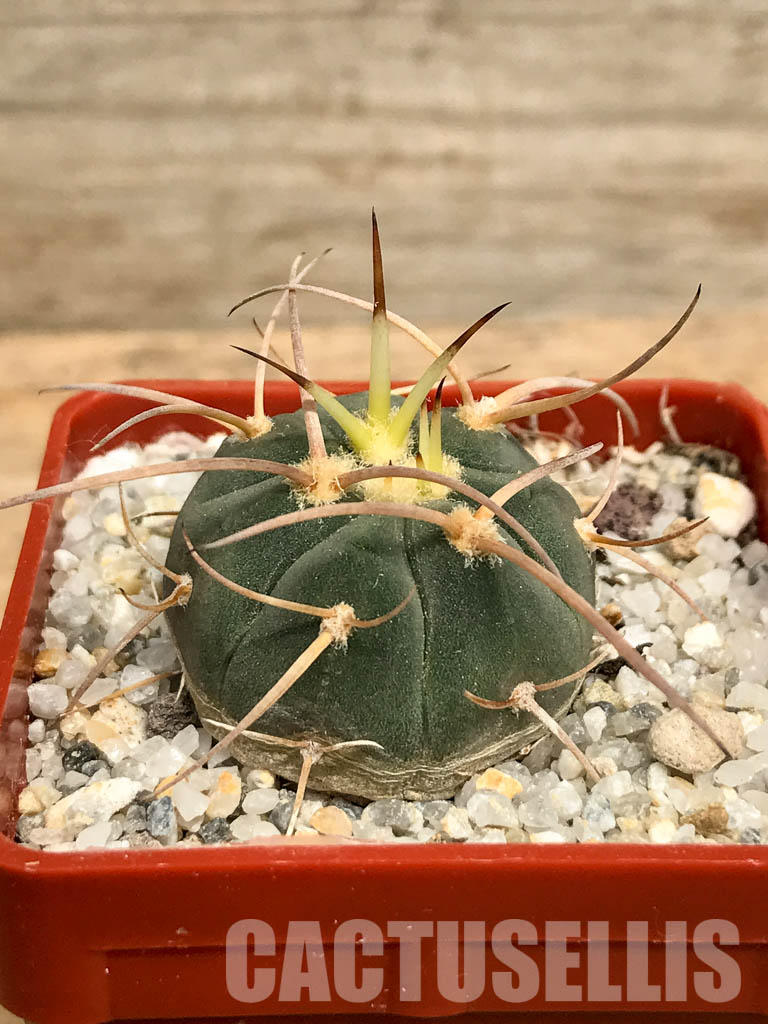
column 167, row 716
column 135, row 819
column 750, row 835
column 353, row 810
column 435, row 811
column 161, row 818
column 398, row 815
column 26, row 823
column 79, row 755
column 215, row 831
column 280, row 815
column 143, row 840
column 91, row 767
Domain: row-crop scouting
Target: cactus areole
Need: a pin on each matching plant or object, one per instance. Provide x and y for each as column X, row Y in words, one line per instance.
column 466, row 620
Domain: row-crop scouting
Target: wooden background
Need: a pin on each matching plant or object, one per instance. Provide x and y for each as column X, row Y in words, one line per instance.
column 160, row 157
column 589, row 160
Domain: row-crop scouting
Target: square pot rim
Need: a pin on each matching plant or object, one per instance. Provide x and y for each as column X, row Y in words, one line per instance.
column 19, row 860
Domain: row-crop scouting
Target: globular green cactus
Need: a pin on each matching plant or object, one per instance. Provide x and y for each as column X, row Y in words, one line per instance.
column 475, row 622
column 452, row 580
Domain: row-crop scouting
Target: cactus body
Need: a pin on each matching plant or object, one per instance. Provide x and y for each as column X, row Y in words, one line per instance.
column 477, row 625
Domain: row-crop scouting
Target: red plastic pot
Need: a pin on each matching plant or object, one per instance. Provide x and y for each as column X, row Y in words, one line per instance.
column 130, row 935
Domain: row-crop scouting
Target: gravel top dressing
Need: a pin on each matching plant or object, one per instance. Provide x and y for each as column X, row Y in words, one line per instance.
column 91, row 772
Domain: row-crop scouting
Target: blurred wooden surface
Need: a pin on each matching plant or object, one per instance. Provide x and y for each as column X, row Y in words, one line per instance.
column 714, row 346
column 162, row 157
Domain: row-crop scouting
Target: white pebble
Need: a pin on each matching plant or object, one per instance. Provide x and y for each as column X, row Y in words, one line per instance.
column 64, row 561
column 94, row 835
column 736, row 773
column 187, row 741
column 715, row 583
column 97, row 691
column 74, row 780
column 189, row 802
column 727, row 502
column 748, row 695
column 260, row 801
column 565, row 799
column 95, row 802
column 754, row 553
column 594, row 723
column 47, row 700
column 252, row 827
column 614, row 786
column 54, row 639
column 547, row 836
column 34, row 763
column 701, row 638
column 757, row 739
column 70, row 673
column 166, row 761
column 568, row 765
column 36, row 732
column 159, row 657
column 489, row 808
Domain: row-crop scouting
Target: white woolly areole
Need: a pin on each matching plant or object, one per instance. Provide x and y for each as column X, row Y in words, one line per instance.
column 184, row 589
column 479, row 415
column 586, row 530
column 466, row 533
column 258, row 425
column 408, row 490
column 325, row 475
column 340, row 624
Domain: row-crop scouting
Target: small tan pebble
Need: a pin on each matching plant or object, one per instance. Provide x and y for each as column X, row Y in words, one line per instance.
column 604, row 765
column 674, row 740
column 111, row 667
column 600, row 690
column 225, row 796
column 114, row 525
column 71, row 507
column 662, row 831
column 612, row 614
column 74, row 724
column 331, row 821
column 47, row 662
column 708, row 821
column 106, row 737
column 30, row 802
column 127, row 580
column 629, row 825
column 455, row 824
column 493, row 779
column 128, row 720
column 259, row 778
column 685, row 548
column 98, row 731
